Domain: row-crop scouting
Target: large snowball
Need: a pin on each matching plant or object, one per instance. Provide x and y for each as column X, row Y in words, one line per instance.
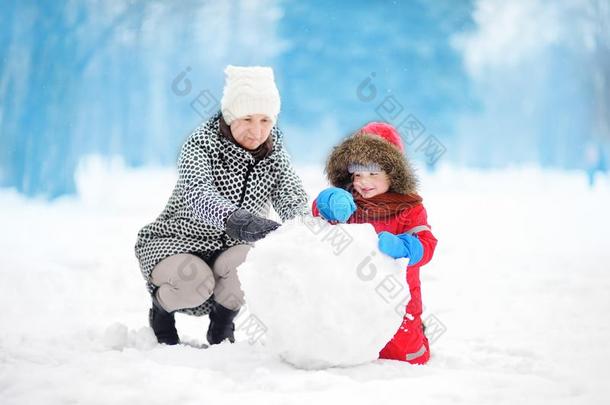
column 326, row 294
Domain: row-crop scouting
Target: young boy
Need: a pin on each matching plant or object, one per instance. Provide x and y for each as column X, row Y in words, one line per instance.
column 374, row 183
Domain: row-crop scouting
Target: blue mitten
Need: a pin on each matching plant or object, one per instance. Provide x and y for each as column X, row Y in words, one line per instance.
column 403, row 245
column 336, row 204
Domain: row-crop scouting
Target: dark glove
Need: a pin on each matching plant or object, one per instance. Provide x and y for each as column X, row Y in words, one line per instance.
column 245, row 226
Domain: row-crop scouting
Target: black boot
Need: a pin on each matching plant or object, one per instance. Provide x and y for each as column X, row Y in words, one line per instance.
column 221, row 324
column 162, row 323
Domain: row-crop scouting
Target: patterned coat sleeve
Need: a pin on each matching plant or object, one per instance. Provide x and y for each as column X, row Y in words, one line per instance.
column 289, row 198
column 198, row 190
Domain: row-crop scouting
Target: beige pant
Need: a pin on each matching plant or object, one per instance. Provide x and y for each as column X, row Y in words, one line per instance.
column 186, row 281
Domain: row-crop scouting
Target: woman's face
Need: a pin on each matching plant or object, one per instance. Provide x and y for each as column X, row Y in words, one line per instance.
column 370, row 184
column 251, row 131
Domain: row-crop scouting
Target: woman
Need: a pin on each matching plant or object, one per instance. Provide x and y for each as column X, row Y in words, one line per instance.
column 229, row 171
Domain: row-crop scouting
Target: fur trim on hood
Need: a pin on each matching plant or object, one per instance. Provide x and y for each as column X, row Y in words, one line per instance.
column 365, row 149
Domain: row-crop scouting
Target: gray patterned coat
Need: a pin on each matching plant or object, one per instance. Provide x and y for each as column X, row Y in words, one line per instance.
column 215, row 177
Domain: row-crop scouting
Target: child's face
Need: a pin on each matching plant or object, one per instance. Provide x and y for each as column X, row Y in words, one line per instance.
column 370, row 184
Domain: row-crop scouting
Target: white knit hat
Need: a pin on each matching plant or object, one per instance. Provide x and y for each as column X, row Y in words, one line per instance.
column 249, row 90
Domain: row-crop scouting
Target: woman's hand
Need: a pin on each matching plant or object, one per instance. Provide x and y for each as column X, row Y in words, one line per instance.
column 245, row 226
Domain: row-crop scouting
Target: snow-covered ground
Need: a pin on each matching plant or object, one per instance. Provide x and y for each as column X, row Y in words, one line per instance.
column 516, row 297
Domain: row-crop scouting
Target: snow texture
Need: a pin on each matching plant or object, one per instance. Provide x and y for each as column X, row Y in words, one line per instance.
column 318, row 290
column 515, row 301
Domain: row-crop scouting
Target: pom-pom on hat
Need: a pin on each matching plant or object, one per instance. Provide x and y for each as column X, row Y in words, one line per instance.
column 385, row 131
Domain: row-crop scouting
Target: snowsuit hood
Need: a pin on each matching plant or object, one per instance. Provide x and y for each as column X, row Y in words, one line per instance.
column 367, row 149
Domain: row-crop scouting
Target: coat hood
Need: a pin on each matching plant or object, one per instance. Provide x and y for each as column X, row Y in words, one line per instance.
column 366, row 149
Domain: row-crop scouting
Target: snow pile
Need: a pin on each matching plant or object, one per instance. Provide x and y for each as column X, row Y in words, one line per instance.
column 324, row 293
column 512, row 314
column 117, row 337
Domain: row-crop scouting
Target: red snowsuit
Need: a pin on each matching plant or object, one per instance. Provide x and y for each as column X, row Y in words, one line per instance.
column 409, row 342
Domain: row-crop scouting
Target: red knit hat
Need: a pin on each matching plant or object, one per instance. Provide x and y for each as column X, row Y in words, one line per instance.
column 385, row 131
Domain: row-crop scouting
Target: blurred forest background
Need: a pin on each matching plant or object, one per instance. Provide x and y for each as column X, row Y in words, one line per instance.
column 483, row 84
